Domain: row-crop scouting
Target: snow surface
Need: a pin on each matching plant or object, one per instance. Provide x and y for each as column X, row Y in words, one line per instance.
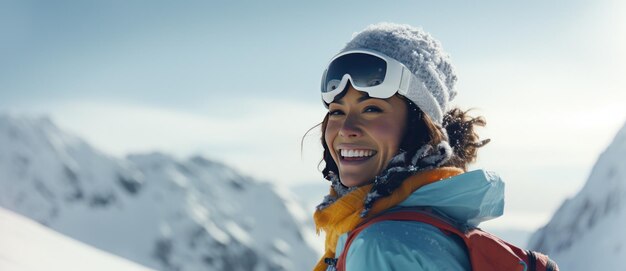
column 153, row 209
column 26, row 245
column 587, row 231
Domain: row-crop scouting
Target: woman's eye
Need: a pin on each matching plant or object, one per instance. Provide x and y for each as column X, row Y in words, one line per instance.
column 372, row 109
column 335, row 112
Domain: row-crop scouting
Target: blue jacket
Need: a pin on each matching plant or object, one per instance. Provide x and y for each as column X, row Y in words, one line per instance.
column 469, row 199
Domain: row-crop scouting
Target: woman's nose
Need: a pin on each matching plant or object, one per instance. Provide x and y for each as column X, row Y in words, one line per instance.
column 350, row 127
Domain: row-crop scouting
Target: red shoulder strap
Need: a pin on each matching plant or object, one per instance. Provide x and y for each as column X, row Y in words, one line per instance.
column 486, row 253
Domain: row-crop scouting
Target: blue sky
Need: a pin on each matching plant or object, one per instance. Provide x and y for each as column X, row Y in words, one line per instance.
column 179, row 55
column 238, row 81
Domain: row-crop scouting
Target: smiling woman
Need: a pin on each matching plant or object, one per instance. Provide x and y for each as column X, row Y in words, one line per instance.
column 363, row 134
column 391, row 144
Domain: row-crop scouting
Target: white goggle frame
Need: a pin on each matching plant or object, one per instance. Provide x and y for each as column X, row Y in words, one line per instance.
column 396, row 80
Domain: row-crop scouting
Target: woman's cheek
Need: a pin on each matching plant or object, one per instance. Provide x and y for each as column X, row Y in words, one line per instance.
column 388, row 134
column 383, row 129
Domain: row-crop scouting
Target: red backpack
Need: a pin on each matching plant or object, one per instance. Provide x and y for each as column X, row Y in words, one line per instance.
column 486, row 252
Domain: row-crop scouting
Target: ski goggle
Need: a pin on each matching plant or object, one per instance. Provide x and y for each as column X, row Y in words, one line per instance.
column 369, row 71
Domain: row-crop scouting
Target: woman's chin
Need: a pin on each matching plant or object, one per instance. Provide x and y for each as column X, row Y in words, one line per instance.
column 352, row 181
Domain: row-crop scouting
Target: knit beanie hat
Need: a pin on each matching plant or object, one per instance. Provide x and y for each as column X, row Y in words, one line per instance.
column 422, row 55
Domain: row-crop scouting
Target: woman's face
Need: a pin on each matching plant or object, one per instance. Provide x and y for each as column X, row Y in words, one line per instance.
column 363, row 134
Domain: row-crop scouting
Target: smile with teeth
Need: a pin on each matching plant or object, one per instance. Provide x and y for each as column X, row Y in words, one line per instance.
column 356, row 153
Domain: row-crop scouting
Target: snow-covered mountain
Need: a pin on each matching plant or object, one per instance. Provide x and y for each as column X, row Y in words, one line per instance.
column 28, row 246
column 153, row 209
column 587, row 231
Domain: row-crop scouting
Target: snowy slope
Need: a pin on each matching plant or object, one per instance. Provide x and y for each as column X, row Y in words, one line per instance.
column 587, row 232
column 163, row 213
column 26, row 245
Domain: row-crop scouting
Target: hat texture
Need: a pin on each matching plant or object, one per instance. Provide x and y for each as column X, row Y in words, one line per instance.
column 422, row 55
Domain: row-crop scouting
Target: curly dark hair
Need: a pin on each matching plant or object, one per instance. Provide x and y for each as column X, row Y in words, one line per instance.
column 462, row 136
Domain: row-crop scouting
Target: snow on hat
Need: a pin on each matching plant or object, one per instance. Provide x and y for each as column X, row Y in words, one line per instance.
column 422, row 55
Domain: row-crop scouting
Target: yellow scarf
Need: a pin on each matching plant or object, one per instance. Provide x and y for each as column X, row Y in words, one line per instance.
column 343, row 215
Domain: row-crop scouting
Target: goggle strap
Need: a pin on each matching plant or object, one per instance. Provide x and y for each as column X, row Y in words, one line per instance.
column 405, row 81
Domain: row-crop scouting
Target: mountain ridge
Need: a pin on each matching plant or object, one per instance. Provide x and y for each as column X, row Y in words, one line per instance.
column 154, row 209
column 588, row 224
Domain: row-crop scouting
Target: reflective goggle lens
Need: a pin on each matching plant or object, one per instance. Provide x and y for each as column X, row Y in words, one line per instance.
column 365, row 70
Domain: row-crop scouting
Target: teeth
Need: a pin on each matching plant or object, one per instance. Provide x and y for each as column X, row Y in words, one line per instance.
column 356, row 153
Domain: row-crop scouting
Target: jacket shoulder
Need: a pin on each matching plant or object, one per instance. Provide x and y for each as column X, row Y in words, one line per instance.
column 405, row 245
